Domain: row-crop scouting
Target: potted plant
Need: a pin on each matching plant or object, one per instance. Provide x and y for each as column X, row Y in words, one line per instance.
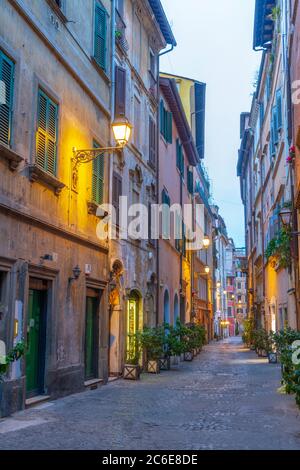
column 132, row 370
column 152, row 342
column 173, row 344
column 14, row 355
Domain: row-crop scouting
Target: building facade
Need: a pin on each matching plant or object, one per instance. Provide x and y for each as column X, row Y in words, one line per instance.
column 142, row 32
column 53, row 269
column 266, row 173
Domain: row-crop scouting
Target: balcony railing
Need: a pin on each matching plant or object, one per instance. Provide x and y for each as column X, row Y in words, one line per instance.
column 120, row 32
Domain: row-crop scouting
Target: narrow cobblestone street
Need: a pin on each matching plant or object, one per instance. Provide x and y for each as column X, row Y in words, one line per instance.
column 225, row 399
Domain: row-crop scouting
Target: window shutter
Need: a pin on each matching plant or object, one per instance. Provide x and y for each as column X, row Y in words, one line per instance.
column 98, row 178
column 46, row 139
column 120, row 94
column 100, row 36
column 190, row 181
column 275, row 125
column 152, row 142
column 6, row 97
column 279, row 109
column 181, row 161
column 169, row 127
column 161, row 116
column 116, row 193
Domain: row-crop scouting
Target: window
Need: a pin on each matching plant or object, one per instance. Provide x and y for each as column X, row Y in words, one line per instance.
column 46, row 135
column 6, row 98
column 120, row 91
column 230, row 311
column 137, row 33
column 179, row 157
column 190, row 180
column 279, row 109
column 59, row 3
column 166, row 120
column 152, row 64
column 98, row 177
column 165, row 199
column 116, row 193
column 120, row 7
column 239, row 285
column 137, row 122
column 152, row 142
column 100, row 36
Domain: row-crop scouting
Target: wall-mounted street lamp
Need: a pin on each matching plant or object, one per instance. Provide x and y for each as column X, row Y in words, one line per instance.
column 206, row 242
column 218, row 285
column 122, row 131
column 76, row 274
column 207, row 269
column 286, row 216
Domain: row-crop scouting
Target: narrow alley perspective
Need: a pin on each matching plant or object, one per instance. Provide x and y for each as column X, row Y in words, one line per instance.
column 149, row 230
column 226, row 399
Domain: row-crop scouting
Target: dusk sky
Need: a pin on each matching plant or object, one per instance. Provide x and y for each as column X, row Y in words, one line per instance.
column 215, row 46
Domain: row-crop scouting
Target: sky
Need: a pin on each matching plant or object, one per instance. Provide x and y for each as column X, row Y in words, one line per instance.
column 215, row 46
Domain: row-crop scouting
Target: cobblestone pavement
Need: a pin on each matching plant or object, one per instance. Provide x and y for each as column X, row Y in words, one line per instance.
column 224, row 399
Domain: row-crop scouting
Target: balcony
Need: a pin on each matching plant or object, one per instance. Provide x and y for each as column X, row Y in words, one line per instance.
column 120, row 33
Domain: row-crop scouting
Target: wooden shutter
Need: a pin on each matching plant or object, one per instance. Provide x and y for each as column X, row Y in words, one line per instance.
column 98, row 177
column 152, row 142
column 116, row 193
column 161, row 116
column 120, row 94
column 6, row 97
column 100, row 36
column 46, row 139
column 190, row 181
column 275, row 125
column 169, row 127
column 279, row 109
column 178, row 163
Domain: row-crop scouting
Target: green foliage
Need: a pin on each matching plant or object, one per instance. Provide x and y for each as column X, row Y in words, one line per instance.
column 153, row 341
column 133, row 354
column 279, row 249
column 248, row 331
column 290, row 371
column 262, row 340
column 14, row 355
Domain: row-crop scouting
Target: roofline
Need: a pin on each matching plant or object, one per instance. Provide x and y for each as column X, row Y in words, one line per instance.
column 185, row 133
column 163, row 22
column 181, row 77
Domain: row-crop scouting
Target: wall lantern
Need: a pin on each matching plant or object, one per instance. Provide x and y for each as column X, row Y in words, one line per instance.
column 207, row 269
column 218, row 285
column 121, row 130
column 286, row 216
column 76, row 274
column 206, row 242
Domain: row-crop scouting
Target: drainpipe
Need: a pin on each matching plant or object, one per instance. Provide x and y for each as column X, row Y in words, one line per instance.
column 111, row 159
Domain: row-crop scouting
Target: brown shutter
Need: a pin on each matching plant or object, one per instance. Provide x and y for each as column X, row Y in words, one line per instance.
column 152, row 142
column 116, row 193
column 120, row 91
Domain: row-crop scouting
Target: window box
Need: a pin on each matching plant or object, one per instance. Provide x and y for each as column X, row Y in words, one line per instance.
column 10, row 156
column 36, row 174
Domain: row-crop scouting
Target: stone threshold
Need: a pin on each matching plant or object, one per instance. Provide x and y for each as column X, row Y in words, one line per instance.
column 36, row 400
column 93, row 383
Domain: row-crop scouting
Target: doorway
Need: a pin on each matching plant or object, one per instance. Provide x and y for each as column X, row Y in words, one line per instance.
column 91, row 335
column 133, row 312
column 36, row 338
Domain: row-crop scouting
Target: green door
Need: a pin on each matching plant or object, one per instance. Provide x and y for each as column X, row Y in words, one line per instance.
column 35, row 346
column 91, row 338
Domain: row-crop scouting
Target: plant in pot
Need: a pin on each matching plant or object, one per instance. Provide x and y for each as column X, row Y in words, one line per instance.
column 132, row 369
column 152, row 342
column 5, row 360
column 187, row 337
column 173, row 345
column 200, row 337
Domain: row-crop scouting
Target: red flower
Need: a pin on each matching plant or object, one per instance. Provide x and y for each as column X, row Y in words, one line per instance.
column 289, row 159
column 293, row 150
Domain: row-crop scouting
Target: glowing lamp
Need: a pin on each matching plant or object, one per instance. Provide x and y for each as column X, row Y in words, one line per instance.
column 206, row 242
column 122, row 131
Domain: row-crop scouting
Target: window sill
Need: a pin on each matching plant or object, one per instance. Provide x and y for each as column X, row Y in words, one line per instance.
column 100, row 70
column 57, row 10
column 10, row 156
column 36, row 174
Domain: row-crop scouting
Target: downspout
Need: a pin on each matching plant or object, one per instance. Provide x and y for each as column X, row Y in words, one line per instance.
column 167, row 51
column 111, row 159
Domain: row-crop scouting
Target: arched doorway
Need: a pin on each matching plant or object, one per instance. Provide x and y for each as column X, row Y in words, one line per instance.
column 176, row 309
column 133, row 324
column 166, row 307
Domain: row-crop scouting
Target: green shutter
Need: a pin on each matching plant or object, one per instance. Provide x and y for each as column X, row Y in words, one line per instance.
column 100, row 36
column 6, row 97
column 279, row 109
column 181, row 161
column 98, row 177
column 178, row 163
column 161, row 116
column 169, row 128
column 190, row 181
column 46, row 139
